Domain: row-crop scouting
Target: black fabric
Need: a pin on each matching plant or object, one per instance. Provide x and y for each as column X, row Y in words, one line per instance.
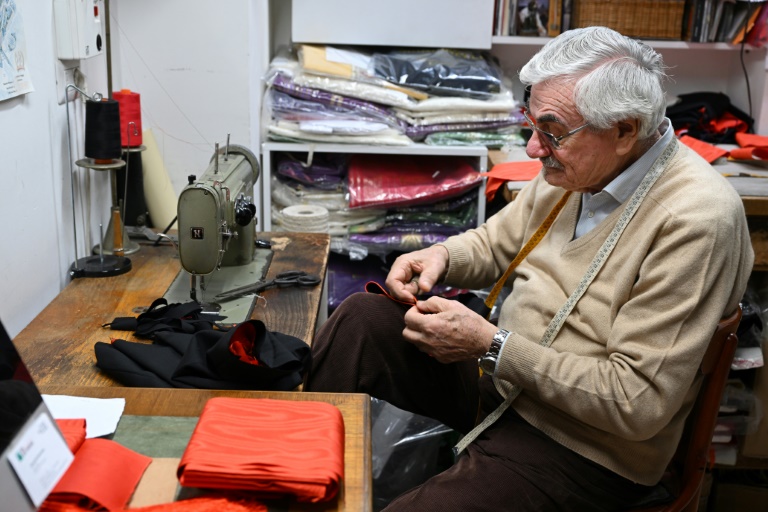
column 441, row 72
column 203, row 359
column 185, row 317
column 696, row 110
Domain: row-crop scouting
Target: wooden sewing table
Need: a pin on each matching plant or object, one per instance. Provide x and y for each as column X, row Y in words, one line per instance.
column 58, row 345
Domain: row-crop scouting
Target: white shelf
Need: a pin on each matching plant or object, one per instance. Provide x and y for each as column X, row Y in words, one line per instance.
column 412, row 149
column 654, row 43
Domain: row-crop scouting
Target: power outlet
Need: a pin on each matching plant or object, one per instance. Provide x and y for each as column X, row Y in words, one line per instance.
column 65, row 76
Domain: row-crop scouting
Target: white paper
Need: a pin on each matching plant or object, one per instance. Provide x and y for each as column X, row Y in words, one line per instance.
column 14, row 75
column 40, row 457
column 101, row 414
column 353, row 58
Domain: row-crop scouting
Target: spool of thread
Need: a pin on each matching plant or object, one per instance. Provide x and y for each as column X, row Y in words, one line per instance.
column 130, row 117
column 102, row 130
column 305, row 218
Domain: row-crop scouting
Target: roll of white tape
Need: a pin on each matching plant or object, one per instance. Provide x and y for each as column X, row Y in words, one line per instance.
column 305, row 218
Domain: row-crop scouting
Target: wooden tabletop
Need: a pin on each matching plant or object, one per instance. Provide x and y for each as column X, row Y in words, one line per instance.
column 58, row 345
column 356, row 492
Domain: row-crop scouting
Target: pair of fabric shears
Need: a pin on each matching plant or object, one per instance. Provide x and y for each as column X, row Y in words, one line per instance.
column 281, row 280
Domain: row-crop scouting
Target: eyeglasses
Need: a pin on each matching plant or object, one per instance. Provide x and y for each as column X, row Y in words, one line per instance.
column 552, row 140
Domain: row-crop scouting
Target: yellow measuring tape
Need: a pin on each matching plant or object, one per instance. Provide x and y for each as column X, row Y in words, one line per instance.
column 527, row 248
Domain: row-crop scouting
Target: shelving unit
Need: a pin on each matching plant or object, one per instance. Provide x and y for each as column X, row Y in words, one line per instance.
column 479, row 155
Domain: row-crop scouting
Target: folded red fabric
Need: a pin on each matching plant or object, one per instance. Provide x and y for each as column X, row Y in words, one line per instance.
column 212, row 503
column 524, row 170
column 270, row 447
column 103, row 475
column 73, row 431
column 403, row 180
column 707, row 151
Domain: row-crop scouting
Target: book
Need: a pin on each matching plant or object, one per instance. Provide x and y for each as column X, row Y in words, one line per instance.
column 716, row 18
column 740, row 12
column 555, row 18
column 706, row 21
column 753, row 10
column 697, row 22
column 758, row 36
column 532, row 17
column 726, row 20
column 565, row 23
column 511, row 10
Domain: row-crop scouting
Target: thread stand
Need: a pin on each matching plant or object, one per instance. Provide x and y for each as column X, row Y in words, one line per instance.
column 102, row 264
column 112, row 243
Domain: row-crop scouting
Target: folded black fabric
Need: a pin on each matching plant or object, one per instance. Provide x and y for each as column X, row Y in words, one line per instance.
column 248, row 356
column 185, row 317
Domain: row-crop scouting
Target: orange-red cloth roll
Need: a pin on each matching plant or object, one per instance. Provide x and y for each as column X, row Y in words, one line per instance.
column 130, row 117
column 269, row 447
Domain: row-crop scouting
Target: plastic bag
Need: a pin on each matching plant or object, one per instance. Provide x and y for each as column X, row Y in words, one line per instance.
column 406, row 450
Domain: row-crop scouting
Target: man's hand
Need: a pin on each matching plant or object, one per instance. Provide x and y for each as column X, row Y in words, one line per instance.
column 417, row 272
column 448, row 330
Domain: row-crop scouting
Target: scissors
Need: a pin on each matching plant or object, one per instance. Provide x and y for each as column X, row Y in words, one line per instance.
column 281, row 280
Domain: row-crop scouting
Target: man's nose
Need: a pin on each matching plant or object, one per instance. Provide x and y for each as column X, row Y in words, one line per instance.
column 536, row 147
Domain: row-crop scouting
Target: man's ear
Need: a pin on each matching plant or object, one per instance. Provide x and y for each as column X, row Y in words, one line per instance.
column 627, row 133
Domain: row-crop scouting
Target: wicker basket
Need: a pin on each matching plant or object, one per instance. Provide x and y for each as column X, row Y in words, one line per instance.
column 647, row 19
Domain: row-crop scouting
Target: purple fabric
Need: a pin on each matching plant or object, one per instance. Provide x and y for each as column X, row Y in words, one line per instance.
column 418, row 133
column 326, row 171
column 285, row 84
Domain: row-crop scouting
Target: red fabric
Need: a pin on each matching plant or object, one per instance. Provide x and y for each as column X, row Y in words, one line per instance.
column 214, row 503
column 751, row 140
column 73, row 431
column 374, row 287
column 103, row 475
column 241, row 343
column 708, row 151
column 752, row 147
column 510, row 171
column 270, row 447
column 726, row 121
column 402, row 180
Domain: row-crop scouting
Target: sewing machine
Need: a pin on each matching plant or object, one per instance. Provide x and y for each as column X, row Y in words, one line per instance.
column 216, row 235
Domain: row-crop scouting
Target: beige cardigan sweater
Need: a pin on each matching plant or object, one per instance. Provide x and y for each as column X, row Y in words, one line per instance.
column 621, row 376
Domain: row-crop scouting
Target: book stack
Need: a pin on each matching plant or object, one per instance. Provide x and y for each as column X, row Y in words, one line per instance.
column 725, row 21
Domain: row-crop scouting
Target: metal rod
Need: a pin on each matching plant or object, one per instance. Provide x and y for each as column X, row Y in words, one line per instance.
column 101, row 243
column 71, row 166
column 226, row 150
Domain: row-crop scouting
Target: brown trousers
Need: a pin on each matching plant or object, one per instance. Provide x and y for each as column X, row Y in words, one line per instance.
column 511, row 466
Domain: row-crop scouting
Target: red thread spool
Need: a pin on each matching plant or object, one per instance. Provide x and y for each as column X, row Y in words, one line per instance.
column 130, row 117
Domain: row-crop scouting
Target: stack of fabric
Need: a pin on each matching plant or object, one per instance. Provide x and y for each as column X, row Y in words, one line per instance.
column 380, row 203
column 442, row 97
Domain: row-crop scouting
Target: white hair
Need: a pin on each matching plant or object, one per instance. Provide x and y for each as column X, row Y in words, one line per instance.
column 616, row 77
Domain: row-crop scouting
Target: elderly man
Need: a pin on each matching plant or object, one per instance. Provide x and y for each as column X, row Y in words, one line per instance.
column 591, row 370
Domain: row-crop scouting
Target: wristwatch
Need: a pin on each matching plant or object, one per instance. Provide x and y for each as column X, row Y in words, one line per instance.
column 487, row 362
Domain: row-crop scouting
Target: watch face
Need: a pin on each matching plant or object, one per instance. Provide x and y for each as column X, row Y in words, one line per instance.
column 488, row 365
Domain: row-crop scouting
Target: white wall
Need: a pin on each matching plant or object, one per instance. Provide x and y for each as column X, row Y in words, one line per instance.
column 198, row 66
column 36, row 209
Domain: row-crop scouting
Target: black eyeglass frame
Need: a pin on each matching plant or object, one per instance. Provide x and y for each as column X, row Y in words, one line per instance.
column 552, row 140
